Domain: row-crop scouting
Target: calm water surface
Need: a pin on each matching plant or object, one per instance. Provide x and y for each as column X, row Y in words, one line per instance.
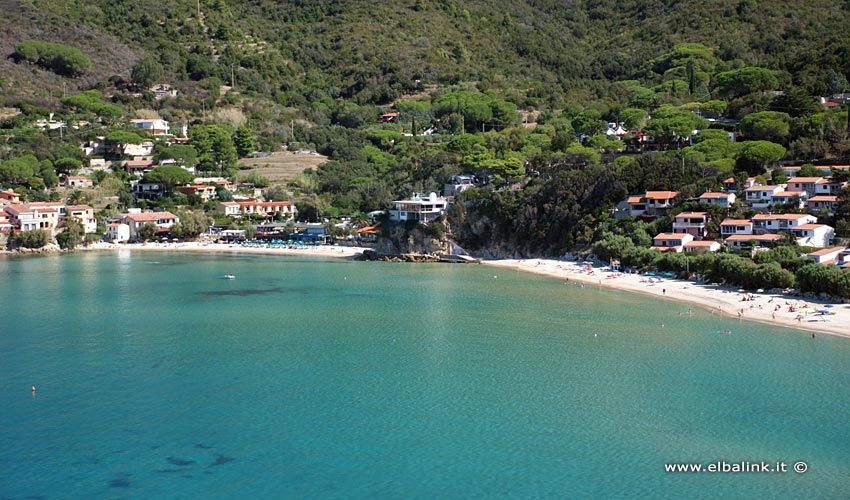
column 309, row 378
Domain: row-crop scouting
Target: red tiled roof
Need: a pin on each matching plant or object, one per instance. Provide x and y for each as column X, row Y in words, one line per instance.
column 826, row 251
column 779, row 216
column 150, row 216
column 669, row 236
column 810, row 226
column 715, row 195
column 661, row 195
column 805, row 179
column 757, row 237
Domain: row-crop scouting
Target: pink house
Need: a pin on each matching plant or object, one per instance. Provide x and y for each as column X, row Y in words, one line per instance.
column 693, row 223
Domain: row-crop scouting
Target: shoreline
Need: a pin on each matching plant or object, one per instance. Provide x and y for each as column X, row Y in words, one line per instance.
column 792, row 312
column 773, row 309
column 336, row 252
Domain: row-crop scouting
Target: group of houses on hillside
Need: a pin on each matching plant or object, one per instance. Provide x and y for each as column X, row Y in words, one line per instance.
column 16, row 215
column 690, row 233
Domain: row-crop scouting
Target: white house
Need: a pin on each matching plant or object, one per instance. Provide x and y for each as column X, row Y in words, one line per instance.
column 78, row 182
column 822, row 202
column 702, row 246
column 419, row 208
column 759, row 196
column 118, row 232
column 738, row 241
column 671, row 242
column 796, row 199
column 772, row 223
column 828, row 255
column 153, row 126
column 736, row 226
column 723, row 199
column 813, row 235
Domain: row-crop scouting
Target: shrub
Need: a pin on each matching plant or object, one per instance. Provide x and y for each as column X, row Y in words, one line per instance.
column 61, row 59
column 32, row 239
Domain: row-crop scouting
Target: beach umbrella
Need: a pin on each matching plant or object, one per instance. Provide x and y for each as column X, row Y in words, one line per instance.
column 828, row 305
column 650, row 273
column 668, row 275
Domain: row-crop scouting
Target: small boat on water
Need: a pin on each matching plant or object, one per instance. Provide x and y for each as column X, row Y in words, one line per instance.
column 230, row 276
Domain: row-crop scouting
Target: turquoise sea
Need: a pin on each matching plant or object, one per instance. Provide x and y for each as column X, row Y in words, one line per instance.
column 311, row 378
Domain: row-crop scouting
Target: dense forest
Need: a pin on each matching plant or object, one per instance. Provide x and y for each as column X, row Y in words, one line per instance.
column 519, row 94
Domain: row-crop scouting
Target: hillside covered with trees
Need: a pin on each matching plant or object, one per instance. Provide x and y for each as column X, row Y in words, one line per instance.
column 518, row 94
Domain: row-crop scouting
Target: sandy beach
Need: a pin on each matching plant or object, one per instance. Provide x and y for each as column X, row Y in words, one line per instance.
column 784, row 310
column 334, row 251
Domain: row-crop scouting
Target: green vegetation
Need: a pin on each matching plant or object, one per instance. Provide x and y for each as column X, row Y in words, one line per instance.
column 61, row 59
column 517, row 94
column 31, row 239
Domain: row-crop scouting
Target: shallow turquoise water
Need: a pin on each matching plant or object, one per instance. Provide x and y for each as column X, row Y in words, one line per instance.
column 309, row 378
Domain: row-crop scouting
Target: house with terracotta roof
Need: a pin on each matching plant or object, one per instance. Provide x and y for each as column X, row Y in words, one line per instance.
column 722, row 199
column 820, row 203
column 29, row 218
column 117, row 232
column 793, row 199
column 229, row 208
column 773, row 223
column 390, row 117
column 205, row 191
column 653, row 203
column 830, row 187
column 269, row 209
column 831, row 255
column 5, row 224
column 162, row 220
column 805, row 184
column 731, row 184
column 813, row 235
column 759, row 196
column 731, row 227
column 693, row 223
column 10, row 196
column 84, row 214
column 702, row 246
column 739, row 241
column 671, row 242
column 137, row 167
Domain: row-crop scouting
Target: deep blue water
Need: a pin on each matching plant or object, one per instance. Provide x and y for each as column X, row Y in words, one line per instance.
column 311, row 378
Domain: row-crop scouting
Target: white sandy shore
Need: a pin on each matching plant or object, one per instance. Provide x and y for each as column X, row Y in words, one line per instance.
column 323, row 251
column 781, row 310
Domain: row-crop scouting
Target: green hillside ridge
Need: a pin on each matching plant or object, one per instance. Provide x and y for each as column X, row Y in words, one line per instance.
column 261, row 75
